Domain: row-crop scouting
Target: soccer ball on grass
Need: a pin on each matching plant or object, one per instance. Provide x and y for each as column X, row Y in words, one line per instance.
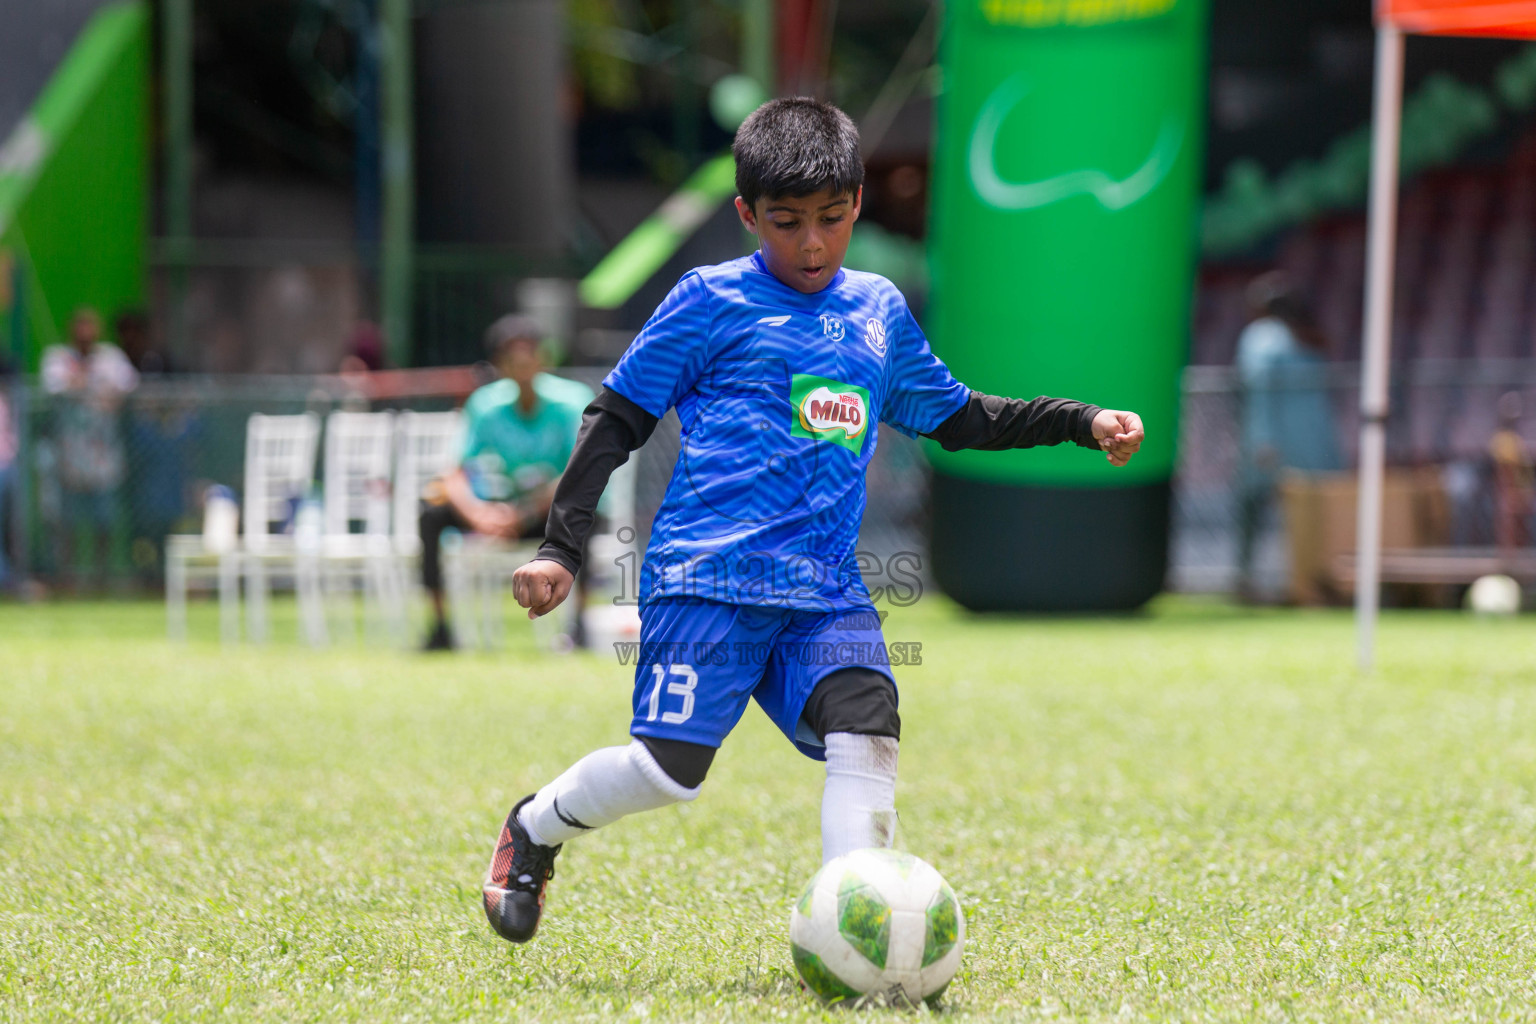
column 877, row 923
column 1494, row 595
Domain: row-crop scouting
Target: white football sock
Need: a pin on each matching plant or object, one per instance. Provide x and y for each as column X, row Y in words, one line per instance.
column 600, row 788
column 858, row 807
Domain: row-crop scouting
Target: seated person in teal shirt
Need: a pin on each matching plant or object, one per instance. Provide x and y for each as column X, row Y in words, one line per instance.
column 518, row 435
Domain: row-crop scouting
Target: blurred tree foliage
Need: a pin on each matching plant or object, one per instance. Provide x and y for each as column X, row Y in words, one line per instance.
column 1440, row 120
column 634, row 56
column 606, row 78
column 628, row 54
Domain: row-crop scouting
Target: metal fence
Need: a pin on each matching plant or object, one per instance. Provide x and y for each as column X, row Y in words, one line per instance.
column 178, row 435
column 172, row 438
column 1444, row 416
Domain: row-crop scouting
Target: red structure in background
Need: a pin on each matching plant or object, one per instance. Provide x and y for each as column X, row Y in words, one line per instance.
column 804, row 32
column 1504, row 19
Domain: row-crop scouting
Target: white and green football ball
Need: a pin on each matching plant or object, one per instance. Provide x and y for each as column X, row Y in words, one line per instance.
column 1494, row 595
column 877, row 923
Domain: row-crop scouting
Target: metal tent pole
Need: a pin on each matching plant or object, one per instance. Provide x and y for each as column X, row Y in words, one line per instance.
column 21, row 412
column 1381, row 249
column 757, row 59
column 366, row 165
column 397, row 278
column 687, row 110
column 176, row 41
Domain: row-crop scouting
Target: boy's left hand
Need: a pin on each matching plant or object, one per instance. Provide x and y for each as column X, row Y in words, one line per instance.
column 1119, row 433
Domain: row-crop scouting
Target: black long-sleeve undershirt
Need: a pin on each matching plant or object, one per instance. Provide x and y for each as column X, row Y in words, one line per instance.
column 612, row 427
column 994, row 424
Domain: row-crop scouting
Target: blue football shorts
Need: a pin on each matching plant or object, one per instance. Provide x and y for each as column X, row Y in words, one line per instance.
column 699, row 662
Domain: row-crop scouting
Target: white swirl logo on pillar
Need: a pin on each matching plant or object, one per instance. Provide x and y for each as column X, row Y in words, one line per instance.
column 1110, row 193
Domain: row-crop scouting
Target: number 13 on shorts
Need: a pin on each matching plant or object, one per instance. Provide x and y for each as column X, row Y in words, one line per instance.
column 678, row 681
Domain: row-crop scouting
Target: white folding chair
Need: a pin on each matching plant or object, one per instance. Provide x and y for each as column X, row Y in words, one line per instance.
column 279, row 471
column 477, row 571
column 355, row 542
column 427, row 446
column 190, row 562
column 279, row 466
column 613, row 564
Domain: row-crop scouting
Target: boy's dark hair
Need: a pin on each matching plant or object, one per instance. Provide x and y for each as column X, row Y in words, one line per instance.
column 796, row 146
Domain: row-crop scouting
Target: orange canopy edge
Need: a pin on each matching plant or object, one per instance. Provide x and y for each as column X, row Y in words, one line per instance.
column 1510, row 19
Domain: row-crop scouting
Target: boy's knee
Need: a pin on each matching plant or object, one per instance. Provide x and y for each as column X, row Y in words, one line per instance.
column 684, row 763
column 860, row 701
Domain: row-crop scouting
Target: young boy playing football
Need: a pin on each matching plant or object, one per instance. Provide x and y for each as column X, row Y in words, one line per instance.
column 780, row 364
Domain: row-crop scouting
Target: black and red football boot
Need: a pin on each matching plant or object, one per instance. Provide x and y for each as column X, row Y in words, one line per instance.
column 514, row 889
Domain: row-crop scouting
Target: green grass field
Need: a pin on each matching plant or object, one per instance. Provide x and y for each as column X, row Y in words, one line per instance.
column 1197, row 813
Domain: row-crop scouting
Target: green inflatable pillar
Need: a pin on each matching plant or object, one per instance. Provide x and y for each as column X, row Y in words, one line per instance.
column 1063, row 246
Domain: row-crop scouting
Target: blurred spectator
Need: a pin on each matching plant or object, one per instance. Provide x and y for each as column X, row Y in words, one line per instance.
column 519, row 432
column 365, row 349
column 365, row 355
column 88, row 378
column 132, row 330
column 162, row 439
column 8, row 450
column 1463, row 486
column 1287, row 418
column 1512, row 477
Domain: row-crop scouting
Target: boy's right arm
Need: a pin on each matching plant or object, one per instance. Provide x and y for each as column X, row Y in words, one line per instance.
column 611, row 427
column 662, row 363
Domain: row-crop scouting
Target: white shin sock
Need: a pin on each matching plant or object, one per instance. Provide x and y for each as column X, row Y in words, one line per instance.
column 600, row 788
column 858, row 807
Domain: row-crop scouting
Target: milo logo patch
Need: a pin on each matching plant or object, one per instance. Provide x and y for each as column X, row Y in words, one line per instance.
column 829, row 410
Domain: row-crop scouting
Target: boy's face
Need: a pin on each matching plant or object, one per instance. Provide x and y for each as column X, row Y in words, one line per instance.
column 804, row 238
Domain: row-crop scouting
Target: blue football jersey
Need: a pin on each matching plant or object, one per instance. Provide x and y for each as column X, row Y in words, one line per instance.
column 779, row 394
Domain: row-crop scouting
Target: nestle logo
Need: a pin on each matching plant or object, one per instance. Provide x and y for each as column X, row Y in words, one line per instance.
column 825, row 410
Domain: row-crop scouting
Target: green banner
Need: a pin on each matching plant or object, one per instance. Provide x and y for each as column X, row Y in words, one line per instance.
column 74, row 210
column 1064, row 219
